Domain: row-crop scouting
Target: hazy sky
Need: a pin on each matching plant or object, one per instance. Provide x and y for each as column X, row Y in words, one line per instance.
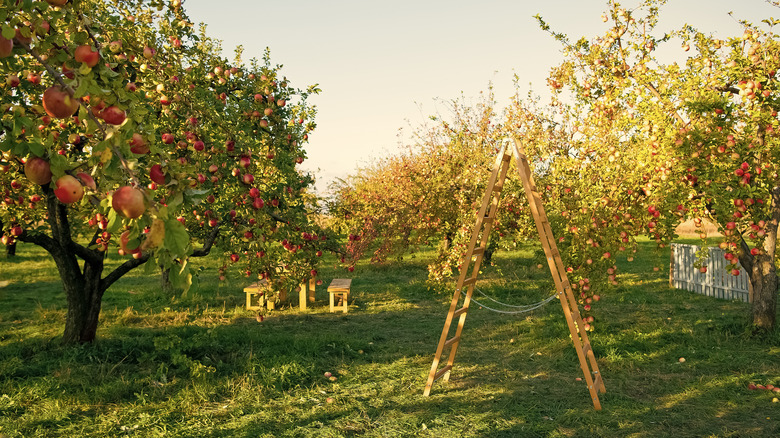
column 382, row 65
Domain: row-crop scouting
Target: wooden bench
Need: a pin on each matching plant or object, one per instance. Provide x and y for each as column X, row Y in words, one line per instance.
column 339, row 288
column 302, row 295
column 257, row 295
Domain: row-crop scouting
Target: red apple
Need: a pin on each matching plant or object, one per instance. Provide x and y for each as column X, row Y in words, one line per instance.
column 57, row 2
column 86, row 55
column 129, row 202
column 199, row 146
column 248, row 178
column 113, row 115
column 156, row 174
column 69, row 189
column 138, row 145
column 149, row 52
column 258, row 203
column 58, row 103
column 168, row 138
column 86, row 180
column 6, row 47
column 123, row 241
column 13, row 81
column 37, row 170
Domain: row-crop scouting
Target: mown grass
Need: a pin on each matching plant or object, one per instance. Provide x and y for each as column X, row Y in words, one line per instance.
column 202, row 366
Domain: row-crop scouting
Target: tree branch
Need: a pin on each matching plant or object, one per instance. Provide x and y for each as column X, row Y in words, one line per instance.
column 123, row 269
column 207, row 244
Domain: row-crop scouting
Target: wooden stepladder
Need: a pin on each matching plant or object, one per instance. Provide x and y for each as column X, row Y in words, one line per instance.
column 470, row 270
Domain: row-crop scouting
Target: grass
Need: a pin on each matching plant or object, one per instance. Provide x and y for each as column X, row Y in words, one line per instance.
column 202, row 366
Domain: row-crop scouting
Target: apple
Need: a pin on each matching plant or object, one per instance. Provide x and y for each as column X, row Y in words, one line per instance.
column 58, row 103
column 16, row 231
column 86, row 55
column 138, row 145
column 13, row 81
column 234, row 257
column 258, row 203
column 37, row 170
column 199, row 146
column 248, row 178
column 123, row 241
column 69, row 189
column 34, row 78
column 57, row 2
column 254, row 192
column 6, row 47
column 149, row 52
column 113, row 115
column 129, row 202
column 156, row 174
column 86, row 180
column 168, row 138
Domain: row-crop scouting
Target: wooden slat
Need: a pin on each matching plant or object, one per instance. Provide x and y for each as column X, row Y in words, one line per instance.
column 468, row 282
column 441, row 372
column 451, row 341
column 340, row 285
column 459, row 312
column 478, row 251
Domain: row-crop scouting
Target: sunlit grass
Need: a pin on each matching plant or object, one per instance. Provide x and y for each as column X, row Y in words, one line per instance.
column 201, row 365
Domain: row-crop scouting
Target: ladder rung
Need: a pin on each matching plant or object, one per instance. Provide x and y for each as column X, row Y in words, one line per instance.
column 498, row 187
column 441, row 372
column 459, row 312
column 451, row 341
column 469, row 281
column 586, row 348
column 597, row 382
column 478, row 251
column 506, row 157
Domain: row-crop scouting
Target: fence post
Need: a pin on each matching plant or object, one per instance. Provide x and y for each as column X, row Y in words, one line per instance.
column 671, row 265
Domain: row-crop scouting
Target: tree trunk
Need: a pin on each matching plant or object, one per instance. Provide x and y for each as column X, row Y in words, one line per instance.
column 84, row 294
column 10, row 250
column 763, row 278
column 763, row 272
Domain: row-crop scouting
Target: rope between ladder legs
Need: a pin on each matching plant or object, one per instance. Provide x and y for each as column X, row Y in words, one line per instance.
column 525, row 308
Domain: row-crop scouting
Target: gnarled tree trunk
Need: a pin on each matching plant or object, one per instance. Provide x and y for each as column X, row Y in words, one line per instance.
column 84, row 287
column 763, row 271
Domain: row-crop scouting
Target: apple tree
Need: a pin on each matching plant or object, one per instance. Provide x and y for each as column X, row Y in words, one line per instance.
column 429, row 194
column 666, row 126
column 123, row 127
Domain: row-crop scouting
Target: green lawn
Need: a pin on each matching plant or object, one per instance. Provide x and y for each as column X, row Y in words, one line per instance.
column 202, row 366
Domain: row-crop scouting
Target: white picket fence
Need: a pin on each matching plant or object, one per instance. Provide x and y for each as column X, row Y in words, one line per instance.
column 716, row 282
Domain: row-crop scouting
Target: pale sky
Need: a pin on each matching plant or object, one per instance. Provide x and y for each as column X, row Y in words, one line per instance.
column 384, row 65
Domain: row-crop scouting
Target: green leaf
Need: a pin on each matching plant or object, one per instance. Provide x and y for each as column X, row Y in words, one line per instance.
column 195, row 197
column 37, row 149
column 176, row 238
column 82, row 89
column 114, row 222
column 176, row 201
column 8, row 32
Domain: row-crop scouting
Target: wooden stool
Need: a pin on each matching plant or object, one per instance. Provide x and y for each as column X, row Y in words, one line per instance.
column 302, row 293
column 255, row 292
column 258, row 291
column 339, row 287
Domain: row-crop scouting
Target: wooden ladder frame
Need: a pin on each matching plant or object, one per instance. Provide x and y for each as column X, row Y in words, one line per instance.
column 473, row 260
